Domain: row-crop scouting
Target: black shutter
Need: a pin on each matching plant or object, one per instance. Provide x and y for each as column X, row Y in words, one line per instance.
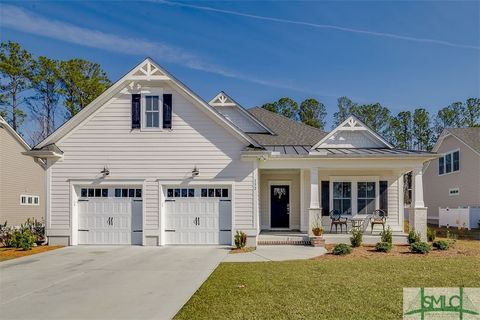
column 384, row 196
column 325, row 198
column 167, row 111
column 136, row 111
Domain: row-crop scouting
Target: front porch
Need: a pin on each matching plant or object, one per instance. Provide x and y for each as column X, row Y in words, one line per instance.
column 296, row 237
column 292, row 201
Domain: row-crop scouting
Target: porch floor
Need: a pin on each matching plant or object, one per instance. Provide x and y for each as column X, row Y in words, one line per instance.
column 296, row 237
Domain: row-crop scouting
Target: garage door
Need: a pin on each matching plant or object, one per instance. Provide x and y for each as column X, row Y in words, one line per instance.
column 110, row 216
column 200, row 215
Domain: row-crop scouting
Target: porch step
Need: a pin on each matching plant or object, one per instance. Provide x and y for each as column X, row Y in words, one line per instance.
column 272, row 239
column 283, row 242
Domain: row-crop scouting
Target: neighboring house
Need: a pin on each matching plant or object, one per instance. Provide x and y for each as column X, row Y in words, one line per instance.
column 22, row 180
column 149, row 162
column 454, row 179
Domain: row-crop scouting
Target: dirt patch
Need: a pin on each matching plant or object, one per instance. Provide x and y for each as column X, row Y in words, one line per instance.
column 12, row 253
column 242, row 250
column 461, row 248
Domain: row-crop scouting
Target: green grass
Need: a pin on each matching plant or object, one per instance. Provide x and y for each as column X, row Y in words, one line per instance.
column 343, row 288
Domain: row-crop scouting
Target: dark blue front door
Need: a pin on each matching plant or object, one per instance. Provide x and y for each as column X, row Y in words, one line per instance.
column 280, row 206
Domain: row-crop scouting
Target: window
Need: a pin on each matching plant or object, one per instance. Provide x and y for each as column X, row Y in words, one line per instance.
column 448, row 163
column 28, row 200
column 203, row 193
column 342, row 197
column 128, row 193
column 152, row 112
column 454, row 192
column 366, row 197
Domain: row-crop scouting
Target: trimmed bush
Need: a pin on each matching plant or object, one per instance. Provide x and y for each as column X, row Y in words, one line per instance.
column 441, row 245
column 23, row 239
column 240, row 239
column 356, row 238
column 413, row 237
column 431, row 234
column 383, row 246
column 342, row 249
column 387, row 235
column 420, row 247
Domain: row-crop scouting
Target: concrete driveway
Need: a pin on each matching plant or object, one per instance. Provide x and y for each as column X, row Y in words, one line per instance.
column 89, row 282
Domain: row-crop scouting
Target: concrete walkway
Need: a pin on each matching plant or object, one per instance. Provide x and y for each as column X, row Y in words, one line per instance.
column 276, row 253
column 87, row 282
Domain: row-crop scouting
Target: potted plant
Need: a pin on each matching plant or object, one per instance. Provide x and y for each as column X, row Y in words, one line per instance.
column 317, row 240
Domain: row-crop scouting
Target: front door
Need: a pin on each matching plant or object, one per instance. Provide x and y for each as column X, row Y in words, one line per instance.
column 280, row 206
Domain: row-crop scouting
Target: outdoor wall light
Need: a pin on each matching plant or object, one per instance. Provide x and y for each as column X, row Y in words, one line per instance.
column 105, row 171
column 195, row 172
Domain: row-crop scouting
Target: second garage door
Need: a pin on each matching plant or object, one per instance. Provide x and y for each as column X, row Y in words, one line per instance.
column 200, row 215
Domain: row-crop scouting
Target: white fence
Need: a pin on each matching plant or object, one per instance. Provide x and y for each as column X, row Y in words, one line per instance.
column 459, row 217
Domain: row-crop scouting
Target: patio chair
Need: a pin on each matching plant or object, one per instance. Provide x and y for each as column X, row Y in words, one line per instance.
column 338, row 220
column 378, row 217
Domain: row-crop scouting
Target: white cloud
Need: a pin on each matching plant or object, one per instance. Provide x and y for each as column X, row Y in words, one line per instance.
column 22, row 20
column 325, row 26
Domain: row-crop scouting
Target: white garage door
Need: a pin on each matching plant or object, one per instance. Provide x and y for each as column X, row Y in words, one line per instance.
column 110, row 216
column 200, row 215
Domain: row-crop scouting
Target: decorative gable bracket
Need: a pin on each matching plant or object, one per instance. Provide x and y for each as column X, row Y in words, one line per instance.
column 148, row 71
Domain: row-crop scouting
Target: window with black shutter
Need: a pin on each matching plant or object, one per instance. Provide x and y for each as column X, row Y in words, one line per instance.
column 136, row 111
column 167, row 111
column 384, row 196
column 325, row 198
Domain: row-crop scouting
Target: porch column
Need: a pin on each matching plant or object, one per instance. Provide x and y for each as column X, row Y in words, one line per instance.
column 314, row 211
column 417, row 216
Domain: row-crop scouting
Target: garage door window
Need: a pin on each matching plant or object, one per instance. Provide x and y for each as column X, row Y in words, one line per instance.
column 128, row 193
column 181, row 193
column 215, row 193
column 93, row 193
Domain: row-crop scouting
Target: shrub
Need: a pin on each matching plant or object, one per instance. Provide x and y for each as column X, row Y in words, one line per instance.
column 383, row 246
column 23, row 238
column 386, row 235
column 441, row 245
column 240, row 239
column 413, row 237
column 6, row 233
column 36, row 227
column 431, row 234
column 342, row 249
column 420, row 247
column 356, row 238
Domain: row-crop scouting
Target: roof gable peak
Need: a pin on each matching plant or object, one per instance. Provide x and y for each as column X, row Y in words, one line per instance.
column 221, row 100
column 352, row 133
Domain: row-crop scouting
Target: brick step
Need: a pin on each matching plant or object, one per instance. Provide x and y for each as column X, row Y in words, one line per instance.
column 283, row 242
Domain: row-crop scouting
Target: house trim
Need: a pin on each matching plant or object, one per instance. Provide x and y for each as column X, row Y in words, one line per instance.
column 341, row 127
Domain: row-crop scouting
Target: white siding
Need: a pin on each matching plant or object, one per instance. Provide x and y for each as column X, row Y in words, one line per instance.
column 106, row 139
column 241, row 120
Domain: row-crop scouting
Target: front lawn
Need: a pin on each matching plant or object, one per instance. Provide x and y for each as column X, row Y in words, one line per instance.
column 360, row 286
column 12, row 253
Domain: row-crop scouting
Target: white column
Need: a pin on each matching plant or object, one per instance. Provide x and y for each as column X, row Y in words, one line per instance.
column 418, row 187
column 314, row 211
column 417, row 217
column 314, row 190
column 303, row 216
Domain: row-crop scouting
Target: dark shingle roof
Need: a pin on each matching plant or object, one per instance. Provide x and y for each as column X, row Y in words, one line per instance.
column 470, row 136
column 287, row 131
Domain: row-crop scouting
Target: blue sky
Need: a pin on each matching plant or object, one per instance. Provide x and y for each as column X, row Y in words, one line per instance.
column 402, row 54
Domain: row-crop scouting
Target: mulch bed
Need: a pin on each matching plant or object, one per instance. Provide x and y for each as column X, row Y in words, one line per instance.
column 12, row 253
column 461, row 248
column 242, row 250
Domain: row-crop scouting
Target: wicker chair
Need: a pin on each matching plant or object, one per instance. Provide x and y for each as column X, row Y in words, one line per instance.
column 338, row 220
column 378, row 217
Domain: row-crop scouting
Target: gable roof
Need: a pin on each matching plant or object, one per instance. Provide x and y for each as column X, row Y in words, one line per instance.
column 4, row 124
column 287, row 132
column 224, row 100
column 146, row 70
column 469, row 136
column 352, row 123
